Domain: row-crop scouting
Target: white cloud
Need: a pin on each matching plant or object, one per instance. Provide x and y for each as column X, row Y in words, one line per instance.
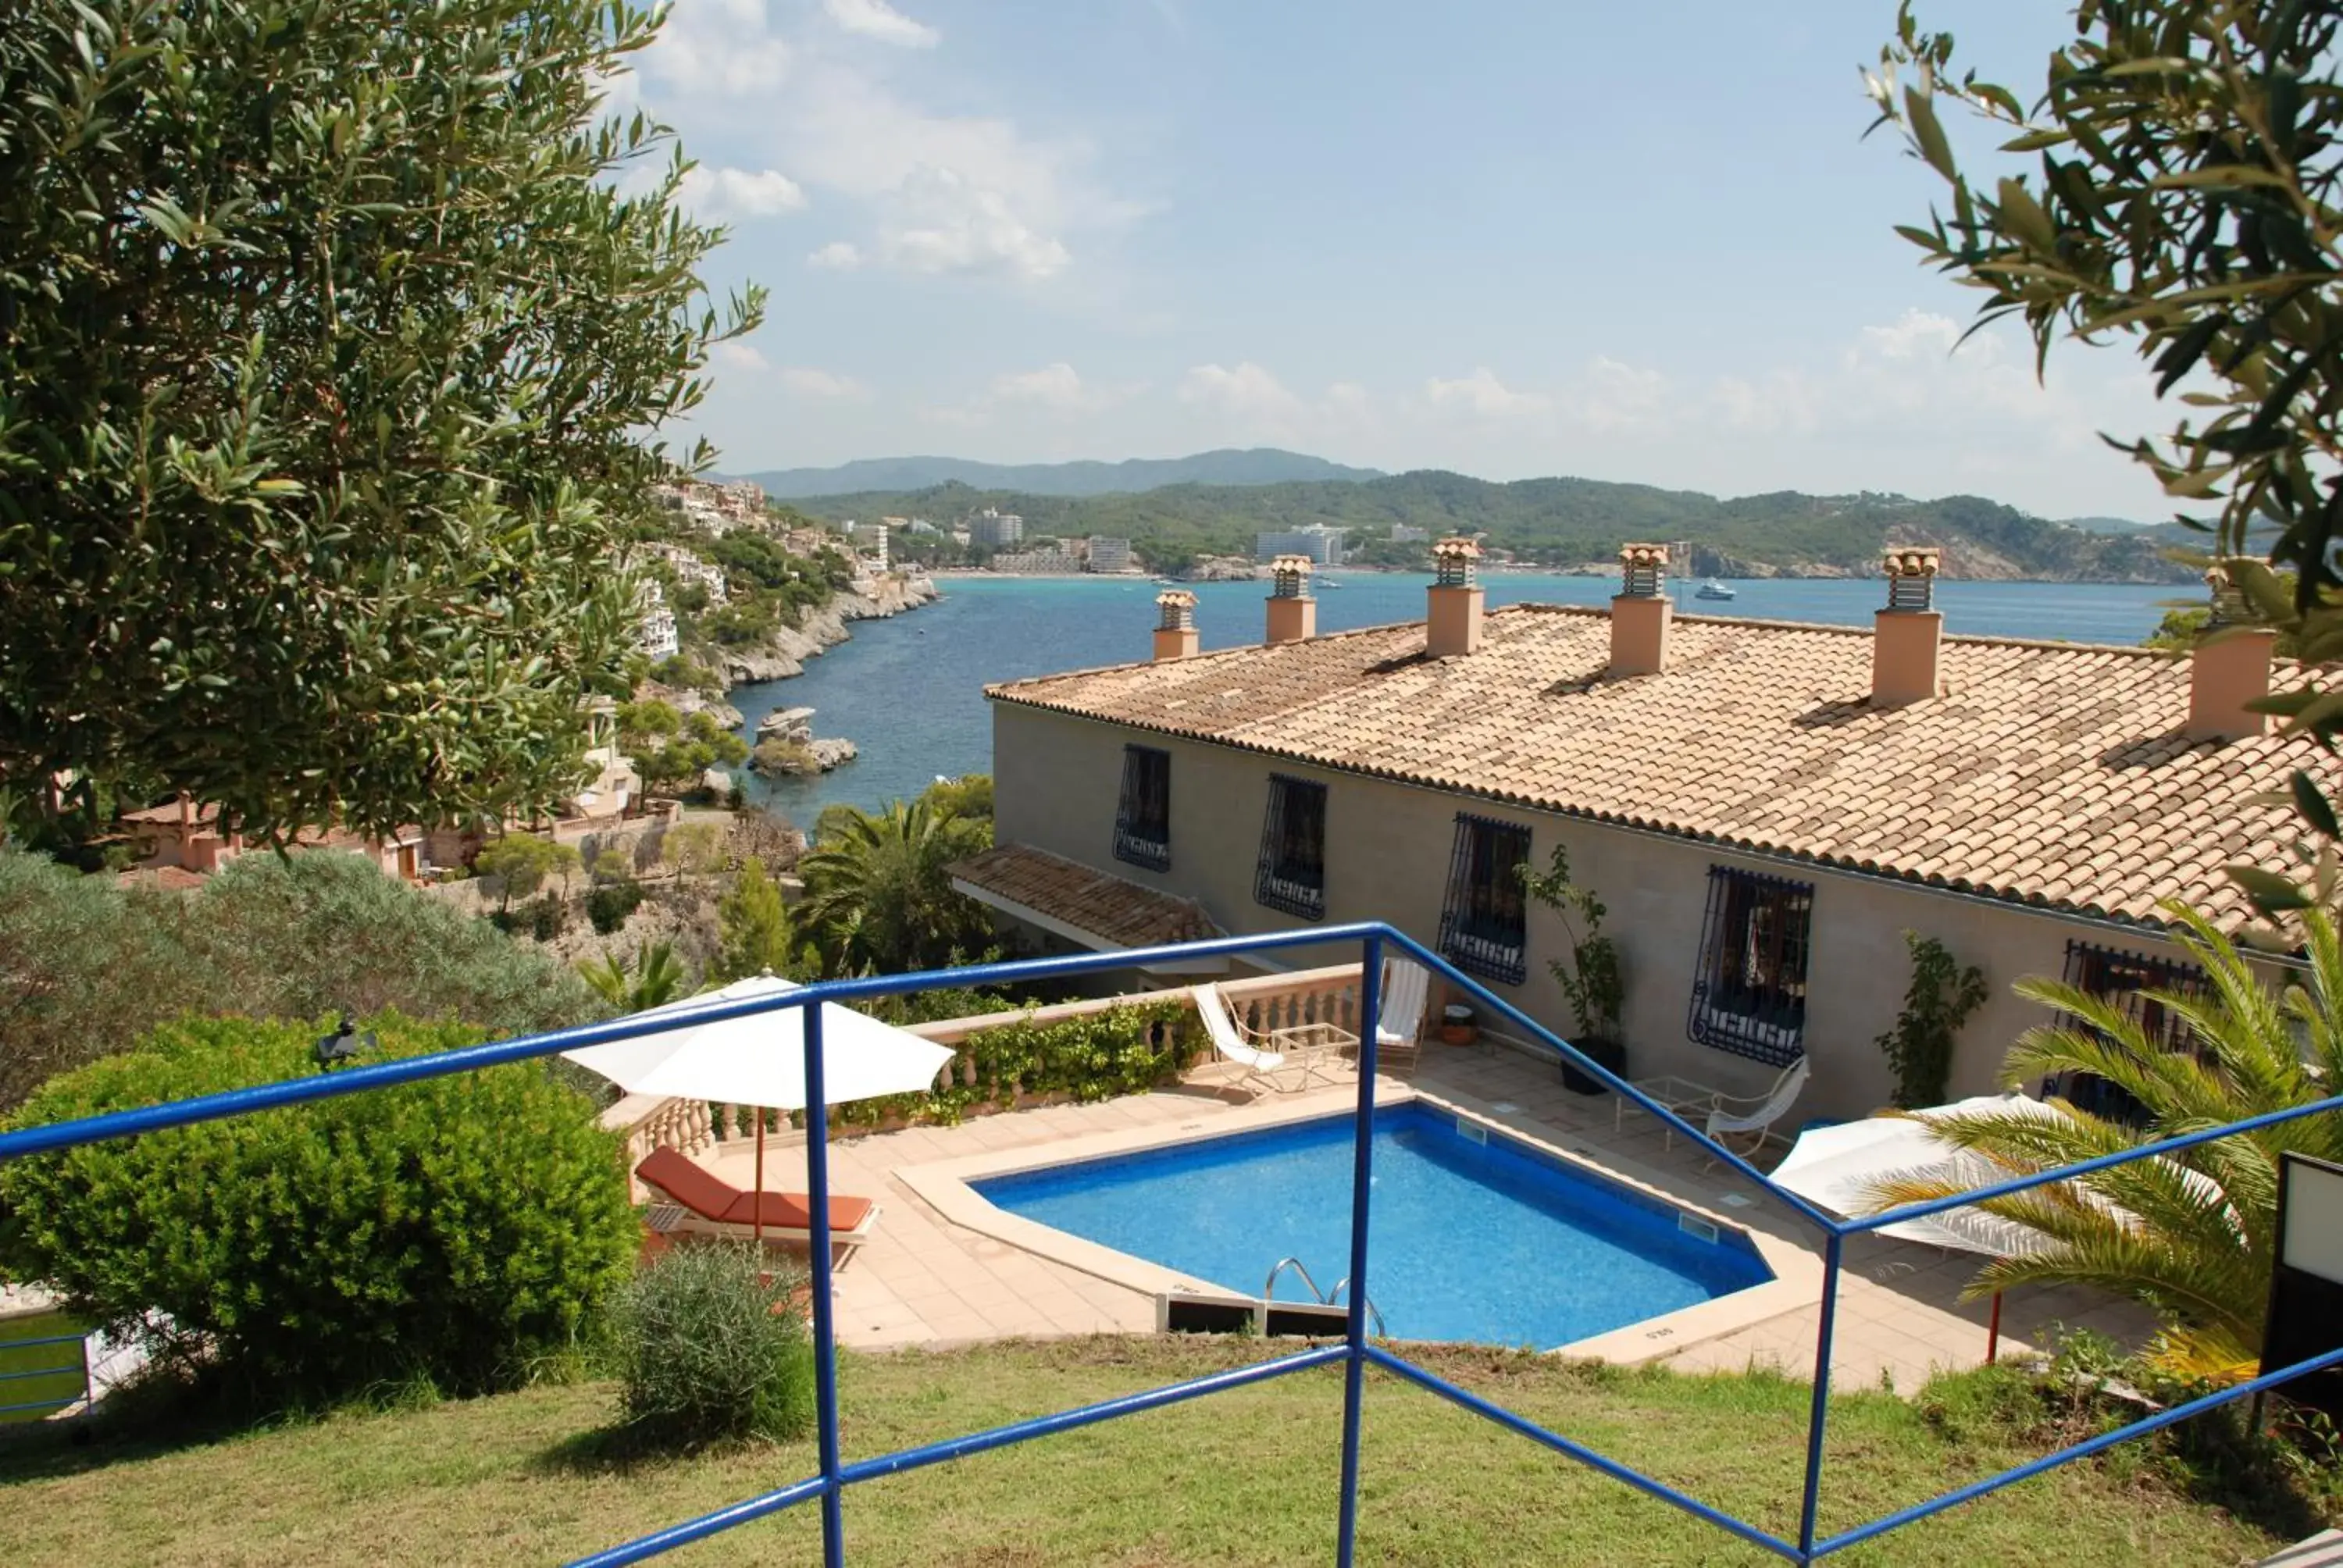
column 1482, row 394
column 1054, row 386
column 837, row 256
column 1618, row 398
column 717, row 49
column 938, row 220
column 1055, row 390
column 877, row 19
column 738, row 356
column 723, row 193
column 1244, row 389
column 804, row 381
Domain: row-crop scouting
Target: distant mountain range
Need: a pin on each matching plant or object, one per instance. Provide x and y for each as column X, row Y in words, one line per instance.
column 1560, row 522
column 1257, row 466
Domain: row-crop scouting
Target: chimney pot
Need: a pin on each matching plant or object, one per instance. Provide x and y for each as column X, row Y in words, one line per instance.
column 1175, row 625
column 1452, row 625
column 2229, row 668
column 1642, row 612
column 1907, row 638
column 1293, row 613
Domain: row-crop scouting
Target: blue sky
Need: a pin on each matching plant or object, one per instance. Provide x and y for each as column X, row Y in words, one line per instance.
column 1630, row 243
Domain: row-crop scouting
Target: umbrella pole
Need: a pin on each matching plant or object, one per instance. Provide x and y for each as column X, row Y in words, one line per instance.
column 756, row 1227
column 1993, row 1332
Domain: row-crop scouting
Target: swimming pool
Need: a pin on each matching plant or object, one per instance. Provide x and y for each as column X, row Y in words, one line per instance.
column 1474, row 1235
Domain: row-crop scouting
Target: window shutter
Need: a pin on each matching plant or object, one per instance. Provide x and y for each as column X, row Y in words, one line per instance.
column 1483, row 920
column 1749, row 988
column 2123, row 979
column 1142, row 817
column 1291, row 874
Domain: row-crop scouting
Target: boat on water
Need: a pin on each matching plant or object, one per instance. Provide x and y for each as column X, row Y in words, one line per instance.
column 1712, row 588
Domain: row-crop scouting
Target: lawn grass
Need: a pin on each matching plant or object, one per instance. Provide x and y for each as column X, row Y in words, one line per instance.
column 1247, row 1477
column 34, row 1374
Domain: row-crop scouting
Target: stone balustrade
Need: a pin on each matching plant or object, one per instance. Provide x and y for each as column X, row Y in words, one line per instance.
column 1261, row 1003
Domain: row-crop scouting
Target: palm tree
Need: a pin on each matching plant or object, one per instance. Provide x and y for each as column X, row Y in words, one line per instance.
column 2191, row 1234
column 657, row 978
column 878, row 893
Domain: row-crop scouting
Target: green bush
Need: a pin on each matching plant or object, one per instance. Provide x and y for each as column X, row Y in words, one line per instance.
column 608, row 905
column 459, row 1231
column 86, row 968
column 1126, row 1050
column 710, row 1346
column 547, row 917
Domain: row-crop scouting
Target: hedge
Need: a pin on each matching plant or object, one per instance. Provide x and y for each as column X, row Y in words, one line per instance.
column 459, row 1230
column 1126, row 1050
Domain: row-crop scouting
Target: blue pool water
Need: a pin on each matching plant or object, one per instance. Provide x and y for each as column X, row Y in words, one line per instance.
column 1492, row 1242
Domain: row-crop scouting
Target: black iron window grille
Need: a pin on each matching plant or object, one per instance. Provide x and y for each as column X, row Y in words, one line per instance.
column 1142, row 817
column 1484, row 921
column 2124, row 981
column 1292, row 874
column 1749, row 994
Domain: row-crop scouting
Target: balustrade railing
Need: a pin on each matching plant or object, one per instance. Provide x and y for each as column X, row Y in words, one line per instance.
column 1261, row 1003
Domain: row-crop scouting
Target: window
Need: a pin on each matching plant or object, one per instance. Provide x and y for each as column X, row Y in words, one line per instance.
column 2124, row 979
column 1481, row 925
column 1142, row 820
column 1291, row 875
column 1749, row 994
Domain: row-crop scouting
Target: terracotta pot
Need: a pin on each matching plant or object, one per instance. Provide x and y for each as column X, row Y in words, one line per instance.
column 1459, row 1033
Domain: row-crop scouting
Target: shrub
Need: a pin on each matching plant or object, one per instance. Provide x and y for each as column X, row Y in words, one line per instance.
column 87, row 967
column 608, row 905
column 459, row 1230
column 547, row 917
column 1095, row 1056
column 710, row 1346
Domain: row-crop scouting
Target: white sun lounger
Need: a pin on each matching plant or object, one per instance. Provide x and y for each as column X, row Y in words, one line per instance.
column 1399, row 1024
column 1258, row 1067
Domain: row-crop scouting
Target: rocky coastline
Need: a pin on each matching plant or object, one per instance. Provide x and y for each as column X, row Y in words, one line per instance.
column 784, row 743
column 785, row 653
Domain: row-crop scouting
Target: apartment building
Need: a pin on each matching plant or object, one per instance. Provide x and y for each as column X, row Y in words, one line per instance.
column 1765, row 809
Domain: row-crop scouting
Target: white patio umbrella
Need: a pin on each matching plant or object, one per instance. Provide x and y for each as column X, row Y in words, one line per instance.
column 759, row 1059
column 1841, row 1168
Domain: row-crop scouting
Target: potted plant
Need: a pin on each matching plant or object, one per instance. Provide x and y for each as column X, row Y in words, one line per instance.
column 1592, row 977
column 1456, row 1024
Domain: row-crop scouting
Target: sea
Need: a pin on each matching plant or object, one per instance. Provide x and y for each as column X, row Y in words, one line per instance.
column 909, row 690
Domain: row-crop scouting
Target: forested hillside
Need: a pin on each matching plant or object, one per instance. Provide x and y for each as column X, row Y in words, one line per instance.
column 1563, row 522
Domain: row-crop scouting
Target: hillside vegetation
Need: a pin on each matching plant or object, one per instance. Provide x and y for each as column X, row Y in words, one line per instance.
column 1252, row 465
column 1566, row 522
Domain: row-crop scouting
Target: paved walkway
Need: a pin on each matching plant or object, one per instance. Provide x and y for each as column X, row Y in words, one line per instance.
column 921, row 1280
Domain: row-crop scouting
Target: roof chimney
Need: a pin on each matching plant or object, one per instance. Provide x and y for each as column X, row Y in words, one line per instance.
column 1293, row 613
column 1641, row 612
column 2229, row 668
column 1908, row 637
column 1452, row 624
column 1175, row 625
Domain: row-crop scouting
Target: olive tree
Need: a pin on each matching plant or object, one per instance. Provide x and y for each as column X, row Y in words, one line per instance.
column 2174, row 187
column 335, row 336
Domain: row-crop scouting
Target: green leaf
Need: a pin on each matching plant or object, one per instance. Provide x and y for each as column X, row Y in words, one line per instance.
column 2312, row 803
column 2271, row 893
column 1926, row 134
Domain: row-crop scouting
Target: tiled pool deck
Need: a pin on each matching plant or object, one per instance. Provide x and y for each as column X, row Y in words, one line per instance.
column 924, row 1279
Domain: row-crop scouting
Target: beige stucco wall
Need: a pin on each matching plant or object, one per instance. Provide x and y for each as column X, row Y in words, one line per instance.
column 1387, row 853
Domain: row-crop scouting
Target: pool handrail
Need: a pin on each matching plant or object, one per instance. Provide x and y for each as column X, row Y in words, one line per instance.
column 1355, row 1353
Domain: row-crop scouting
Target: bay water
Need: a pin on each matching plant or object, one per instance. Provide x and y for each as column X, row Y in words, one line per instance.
column 910, row 692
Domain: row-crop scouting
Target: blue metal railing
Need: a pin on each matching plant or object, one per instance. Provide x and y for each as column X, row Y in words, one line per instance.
column 1354, row 1352
column 77, row 1368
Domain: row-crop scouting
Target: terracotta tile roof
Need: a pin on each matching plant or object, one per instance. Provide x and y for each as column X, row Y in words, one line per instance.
column 2049, row 773
column 1123, row 914
column 171, row 879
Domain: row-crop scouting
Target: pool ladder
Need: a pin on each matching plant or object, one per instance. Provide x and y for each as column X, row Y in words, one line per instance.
column 1324, row 1298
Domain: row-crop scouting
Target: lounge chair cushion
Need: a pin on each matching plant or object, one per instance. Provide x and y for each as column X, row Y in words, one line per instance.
column 712, row 1198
